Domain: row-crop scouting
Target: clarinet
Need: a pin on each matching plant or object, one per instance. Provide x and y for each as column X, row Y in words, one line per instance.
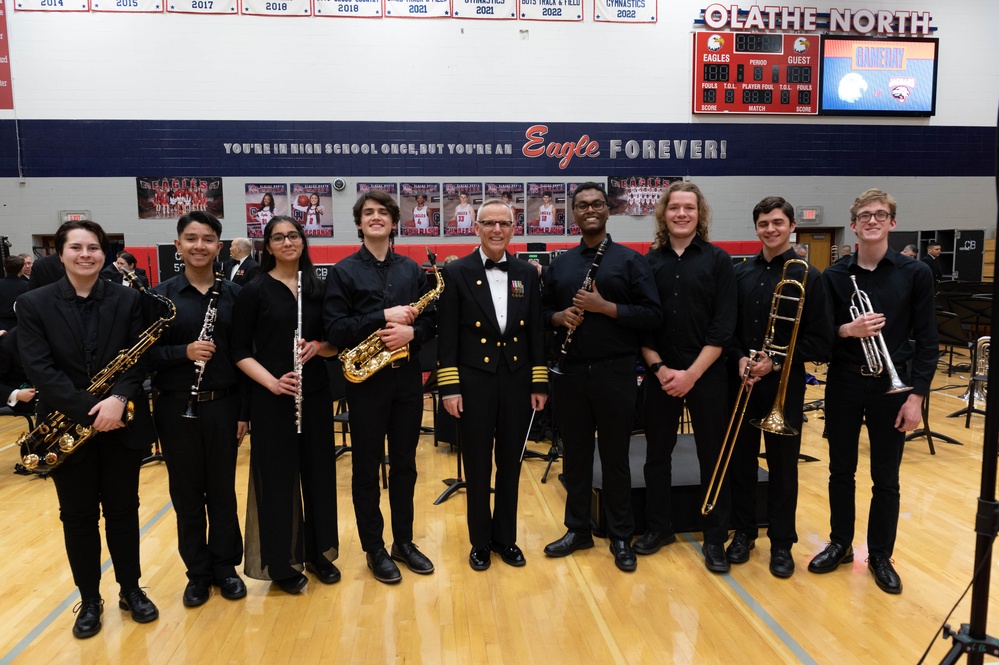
column 591, row 275
column 298, row 359
column 207, row 330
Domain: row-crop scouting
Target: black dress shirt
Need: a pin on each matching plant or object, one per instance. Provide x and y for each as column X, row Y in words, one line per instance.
column 360, row 288
column 174, row 371
column 902, row 290
column 623, row 278
column 757, row 278
column 699, row 301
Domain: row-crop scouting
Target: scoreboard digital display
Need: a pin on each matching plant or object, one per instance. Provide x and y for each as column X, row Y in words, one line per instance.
column 743, row 72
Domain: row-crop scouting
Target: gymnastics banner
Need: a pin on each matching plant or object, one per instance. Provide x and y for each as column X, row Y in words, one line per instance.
column 625, row 11
column 417, row 8
column 420, row 207
column 283, row 8
column 487, row 9
column 349, row 8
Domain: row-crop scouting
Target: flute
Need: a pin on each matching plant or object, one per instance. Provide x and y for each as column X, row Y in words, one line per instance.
column 298, row 359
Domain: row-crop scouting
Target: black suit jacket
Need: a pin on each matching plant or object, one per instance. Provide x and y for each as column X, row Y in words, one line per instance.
column 12, row 376
column 46, row 270
column 112, row 274
column 50, row 342
column 467, row 329
column 10, row 289
column 934, row 264
column 247, row 271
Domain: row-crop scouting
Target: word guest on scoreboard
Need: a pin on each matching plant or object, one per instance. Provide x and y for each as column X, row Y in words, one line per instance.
column 744, row 72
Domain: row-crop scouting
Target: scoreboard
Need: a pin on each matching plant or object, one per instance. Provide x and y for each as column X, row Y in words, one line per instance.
column 745, row 72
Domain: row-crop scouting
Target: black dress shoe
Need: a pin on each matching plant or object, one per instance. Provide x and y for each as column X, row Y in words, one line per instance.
column 137, row 602
column 478, row 558
column 196, row 593
column 738, row 549
column 568, row 544
column 383, row 567
column 232, row 587
column 293, row 584
column 624, row 556
column 884, row 573
column 511, row 555
column 652, row 541
column 829, row 559
column 781, row 563
column 88, row 618
column 414, row 559
column 324, row 570
column 714, row 557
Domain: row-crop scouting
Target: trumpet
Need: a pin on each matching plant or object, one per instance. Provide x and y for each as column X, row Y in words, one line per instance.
column 774, row 422
column 875, row 349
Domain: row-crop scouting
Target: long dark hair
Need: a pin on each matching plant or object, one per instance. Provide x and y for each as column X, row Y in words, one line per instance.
column 312, row 287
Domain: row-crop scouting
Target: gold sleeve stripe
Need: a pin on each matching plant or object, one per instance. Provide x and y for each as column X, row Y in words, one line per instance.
column 539, row 374
column 447, row 376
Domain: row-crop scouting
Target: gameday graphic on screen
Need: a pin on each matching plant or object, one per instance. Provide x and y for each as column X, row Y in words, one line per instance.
column 511, row 193
column 263, row 202
column 312, row 207
column 546, row 208
column 625, row 11
column 461, row 201
column 282, row 8
column 349, row 8
column 637, row 195
column 743, row 72
column 420, row 206
column 487, row 9
column 417, row 8
column 172, row 197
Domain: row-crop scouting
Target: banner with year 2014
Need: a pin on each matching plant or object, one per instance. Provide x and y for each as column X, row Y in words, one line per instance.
column 487, row 9
column 349, row 8
column 418, row 8
column 202, row 6
column 551, row 10
column 50, row 5
column 127, row 6
column 625, row 11
column 277, row 8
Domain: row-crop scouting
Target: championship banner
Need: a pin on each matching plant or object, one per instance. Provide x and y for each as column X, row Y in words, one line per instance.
column 263, row 202
column 312, row 207
column 487, row 9
column 546, row 208
column 420, row 208
column 171, row 197
column 6, row 89
column 511, row 193
column 202, row 6
column 637, row 195
column 349, row 8
column 127, row 6
column 283, row 8
column 625, row 11
column 418, row 8
column 551, row 10
column 387, row 187
column 51, row 6
column 461, row 199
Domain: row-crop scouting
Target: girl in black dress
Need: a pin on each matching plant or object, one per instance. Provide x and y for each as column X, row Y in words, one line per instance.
column 291, row 520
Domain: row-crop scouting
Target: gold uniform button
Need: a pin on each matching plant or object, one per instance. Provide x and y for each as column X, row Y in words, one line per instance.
column 478, row 282
column 521, row 322
column 504, row 344
column 478, row 324
column 486, row 359
column 515, row 359
column 515, row 339
column 483, row 340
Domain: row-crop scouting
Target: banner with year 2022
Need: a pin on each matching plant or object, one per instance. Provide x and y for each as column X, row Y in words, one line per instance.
column 349, row 8
column 202, row 6
column 277, row 8
column 625, row 11
column 418, row 8
column 551, row 10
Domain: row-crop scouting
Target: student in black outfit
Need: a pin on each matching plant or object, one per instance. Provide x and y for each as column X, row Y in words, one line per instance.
column 596, row 393
column 684, row 359
column 200, row 453
column 67, row 332
column 757, row 278
column 372, row 290
column 11, row 286
column 932, row 259
column 901, row 294
column 291, row 520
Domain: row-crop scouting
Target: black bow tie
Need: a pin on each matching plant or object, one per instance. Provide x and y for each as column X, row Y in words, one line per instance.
column 492, row 264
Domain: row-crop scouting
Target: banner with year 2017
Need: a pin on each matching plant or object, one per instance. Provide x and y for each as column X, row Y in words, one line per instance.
column 418, row 8
column 625, row 11
column 551, row 10
column 349, row 8
column 202, row 6
column 277, row 7
column 50, row 5
column 487, row 9
column 127, row 6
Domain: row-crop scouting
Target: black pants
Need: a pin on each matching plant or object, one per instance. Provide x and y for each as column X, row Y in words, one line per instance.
column 389, row 404
column 708, row 414
column 850, row 400
column 496, row 406
column 597, row 397
column 200, row 455
column 782, row 461
column 102, row 475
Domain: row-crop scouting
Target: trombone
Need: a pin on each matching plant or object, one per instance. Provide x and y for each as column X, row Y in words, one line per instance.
column 875, row 348
column 787, row 290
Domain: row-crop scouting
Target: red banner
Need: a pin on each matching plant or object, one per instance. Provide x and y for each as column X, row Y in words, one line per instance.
column 6, row 91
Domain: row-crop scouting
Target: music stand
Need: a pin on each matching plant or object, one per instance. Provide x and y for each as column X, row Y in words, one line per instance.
column 453, row 484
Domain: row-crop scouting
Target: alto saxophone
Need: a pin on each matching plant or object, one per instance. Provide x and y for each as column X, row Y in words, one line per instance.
column 206, row 334
column 371, row 355
column 57, row 437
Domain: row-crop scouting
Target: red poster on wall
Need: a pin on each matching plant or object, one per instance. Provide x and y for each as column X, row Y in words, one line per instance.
column 6, row 91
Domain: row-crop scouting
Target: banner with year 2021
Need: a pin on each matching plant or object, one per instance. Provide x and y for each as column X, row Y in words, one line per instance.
column 279, row 8
column 551, row 10
column 485, row 9
column 349, row 8
column 418, row 8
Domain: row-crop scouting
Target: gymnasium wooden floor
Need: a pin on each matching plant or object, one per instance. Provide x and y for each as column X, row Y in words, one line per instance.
column 580, row 609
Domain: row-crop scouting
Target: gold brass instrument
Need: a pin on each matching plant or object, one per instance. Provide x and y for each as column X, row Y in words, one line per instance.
column 297, row 359
column 57, row 437
column 774, row 422
column 979, row 374
column 207, row 331
column 371, row 355
column 875, row 349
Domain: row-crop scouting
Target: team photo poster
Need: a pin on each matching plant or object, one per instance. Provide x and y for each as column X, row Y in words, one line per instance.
column 637, row 195
column 173, row 197
column 420, row 207
column 263, row 202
